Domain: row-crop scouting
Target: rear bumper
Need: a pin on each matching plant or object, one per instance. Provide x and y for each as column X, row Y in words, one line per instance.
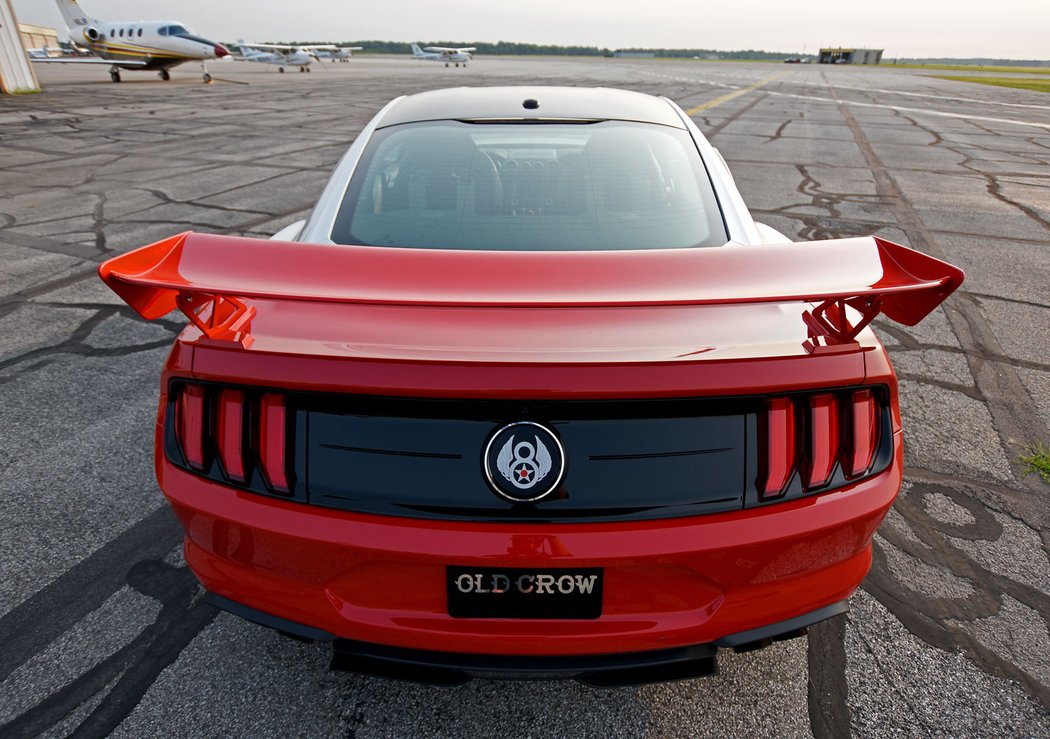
column 611, row 670
column 668, row 584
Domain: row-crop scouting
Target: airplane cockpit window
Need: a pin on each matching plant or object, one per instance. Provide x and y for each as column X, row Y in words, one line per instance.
column 179, row 31
column 162, row 31
column 519, row 187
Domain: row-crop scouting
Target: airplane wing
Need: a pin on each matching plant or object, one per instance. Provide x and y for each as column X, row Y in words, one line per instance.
column 86, row 60
column 272, row 46
column 352, row 48
column 448, row 49
column 317, row 46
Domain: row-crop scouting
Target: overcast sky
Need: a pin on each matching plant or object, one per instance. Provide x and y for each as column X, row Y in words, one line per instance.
column 1013, row 29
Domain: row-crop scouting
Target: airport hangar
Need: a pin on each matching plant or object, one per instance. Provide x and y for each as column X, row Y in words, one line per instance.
column 837, row 55
column 37, row 37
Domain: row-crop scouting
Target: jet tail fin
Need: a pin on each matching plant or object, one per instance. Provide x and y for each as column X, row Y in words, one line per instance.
column 73, row 14
column 416, row 50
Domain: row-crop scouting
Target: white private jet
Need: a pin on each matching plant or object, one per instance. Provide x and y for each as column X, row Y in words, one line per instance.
column 446, row 54
column 139, row 45
column 339, row 54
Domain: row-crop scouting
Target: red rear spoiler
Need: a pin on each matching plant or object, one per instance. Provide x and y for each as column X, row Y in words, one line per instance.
column 208, row 277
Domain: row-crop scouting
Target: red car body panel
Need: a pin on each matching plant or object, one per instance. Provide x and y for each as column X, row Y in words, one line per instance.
column 363, row 321
column 668, row 583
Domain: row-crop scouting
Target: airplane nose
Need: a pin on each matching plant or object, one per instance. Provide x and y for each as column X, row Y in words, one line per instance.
column 221, row 51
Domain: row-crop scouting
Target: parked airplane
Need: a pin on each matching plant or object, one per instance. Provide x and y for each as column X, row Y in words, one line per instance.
column 340, row 54
column 444, row 54
column 140, row 45
column 282, row 55
column 43, row 53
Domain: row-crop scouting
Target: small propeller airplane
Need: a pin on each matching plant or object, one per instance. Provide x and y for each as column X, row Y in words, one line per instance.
column 284, row 55
column 339, row 54
column 43, row 52
column 446, row 54
column 279, row 54
column 135, row 45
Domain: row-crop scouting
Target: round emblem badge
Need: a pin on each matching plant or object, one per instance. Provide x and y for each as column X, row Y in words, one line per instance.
column 524, row 462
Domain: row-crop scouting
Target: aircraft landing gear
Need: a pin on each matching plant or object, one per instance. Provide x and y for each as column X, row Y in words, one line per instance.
column 281, row 70
column 206, row 76
column 308, row 69
column 457, row 64
column 164, row 75
column 446, row 64
column 302, row 69
column 114, row 74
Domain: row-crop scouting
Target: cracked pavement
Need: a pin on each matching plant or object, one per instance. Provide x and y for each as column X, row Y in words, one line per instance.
column 102, row 628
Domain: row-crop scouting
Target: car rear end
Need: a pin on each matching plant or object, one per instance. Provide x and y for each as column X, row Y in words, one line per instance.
column 724, row 466
column 454, row 446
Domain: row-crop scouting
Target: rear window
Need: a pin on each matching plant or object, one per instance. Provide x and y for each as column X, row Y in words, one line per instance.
column 530, row 187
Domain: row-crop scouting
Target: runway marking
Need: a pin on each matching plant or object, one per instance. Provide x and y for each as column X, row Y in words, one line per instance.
column 735, row 94
column 952, row 98
column 692, row 80
column 946, row 97
column 921, row 111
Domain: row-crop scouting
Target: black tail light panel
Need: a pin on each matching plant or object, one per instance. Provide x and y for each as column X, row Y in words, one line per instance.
column 255, row 441
column 312, row 422
column 803, row 454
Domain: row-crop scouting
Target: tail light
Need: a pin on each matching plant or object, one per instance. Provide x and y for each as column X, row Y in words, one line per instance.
column 823, row 439
column 190, row 424
column 272, row 440
column 780, row 446
column 231, row 435
column 810, row 442
column 865, row 429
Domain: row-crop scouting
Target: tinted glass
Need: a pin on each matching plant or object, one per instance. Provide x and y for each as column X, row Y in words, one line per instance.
column 178, row 30
column 530, row 187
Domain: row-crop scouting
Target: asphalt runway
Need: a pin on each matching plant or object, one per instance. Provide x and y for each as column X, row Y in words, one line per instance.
column 101, row 629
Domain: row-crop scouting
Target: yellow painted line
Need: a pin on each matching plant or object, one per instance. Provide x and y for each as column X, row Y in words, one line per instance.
column 734, row 94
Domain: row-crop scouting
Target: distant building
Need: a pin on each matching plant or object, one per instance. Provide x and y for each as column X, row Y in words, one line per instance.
column 850, row 56
column 634, row 54
column 37, row 37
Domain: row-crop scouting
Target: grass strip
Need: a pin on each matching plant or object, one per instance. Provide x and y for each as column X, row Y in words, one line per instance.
column 1021, row 83
column 971, row 68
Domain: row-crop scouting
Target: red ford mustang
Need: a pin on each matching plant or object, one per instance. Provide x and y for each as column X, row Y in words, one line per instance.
column 530, row 394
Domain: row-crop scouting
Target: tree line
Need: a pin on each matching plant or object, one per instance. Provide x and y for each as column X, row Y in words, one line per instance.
column 522, row 49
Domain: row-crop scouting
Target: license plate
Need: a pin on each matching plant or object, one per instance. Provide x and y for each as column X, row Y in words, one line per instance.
column 506, row 592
